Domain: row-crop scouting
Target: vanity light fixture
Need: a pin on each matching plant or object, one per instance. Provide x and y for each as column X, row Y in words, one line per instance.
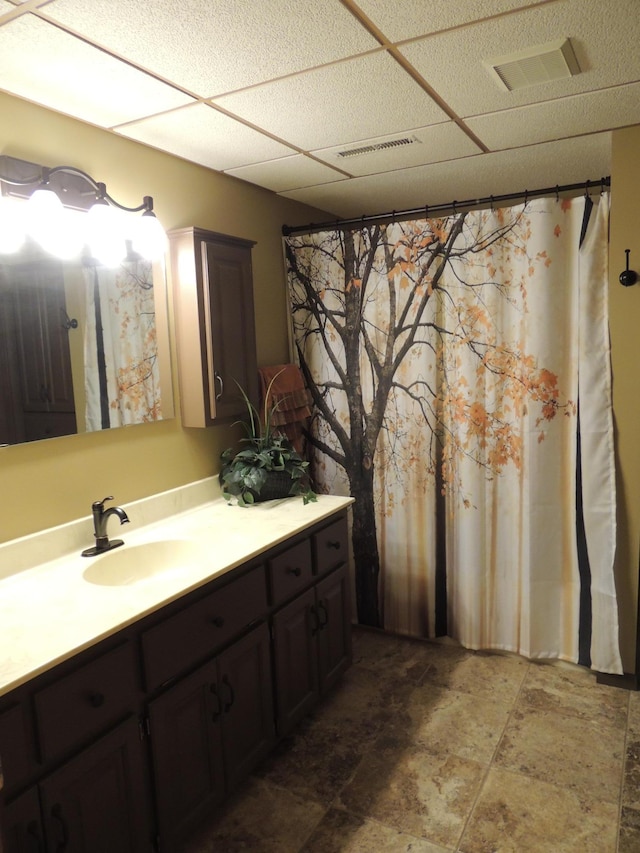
column 56, row 194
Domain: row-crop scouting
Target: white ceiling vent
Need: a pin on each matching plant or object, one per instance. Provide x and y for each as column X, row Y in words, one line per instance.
column 377, row 146
column 553, row 61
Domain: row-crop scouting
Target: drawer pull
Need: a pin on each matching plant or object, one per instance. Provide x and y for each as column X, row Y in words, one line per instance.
column 56, row 814
column 218, row 621
column 334, row 544
column 96, row 700
column 297, row 571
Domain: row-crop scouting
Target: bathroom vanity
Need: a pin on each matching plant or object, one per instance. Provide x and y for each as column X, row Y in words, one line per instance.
column 129, row 738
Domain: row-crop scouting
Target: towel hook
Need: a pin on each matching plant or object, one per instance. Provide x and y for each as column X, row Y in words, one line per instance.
column 627, row 277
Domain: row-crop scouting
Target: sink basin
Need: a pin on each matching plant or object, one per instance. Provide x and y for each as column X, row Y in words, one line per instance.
column 131, row 564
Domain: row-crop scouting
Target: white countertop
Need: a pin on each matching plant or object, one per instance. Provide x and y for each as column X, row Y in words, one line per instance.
column 49, row 611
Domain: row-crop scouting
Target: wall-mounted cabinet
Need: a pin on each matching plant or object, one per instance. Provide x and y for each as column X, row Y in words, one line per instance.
column 215, row 324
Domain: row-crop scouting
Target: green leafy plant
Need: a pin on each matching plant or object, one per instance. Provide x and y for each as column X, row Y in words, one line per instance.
column 247, row 475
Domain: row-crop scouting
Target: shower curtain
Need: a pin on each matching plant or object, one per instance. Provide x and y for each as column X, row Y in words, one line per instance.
column 121, row 359
column 461, row 381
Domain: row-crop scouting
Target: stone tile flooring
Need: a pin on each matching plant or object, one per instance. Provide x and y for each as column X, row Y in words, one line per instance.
column 426, row 747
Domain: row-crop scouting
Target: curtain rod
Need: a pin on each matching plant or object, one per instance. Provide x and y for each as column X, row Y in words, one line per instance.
column 428, row 209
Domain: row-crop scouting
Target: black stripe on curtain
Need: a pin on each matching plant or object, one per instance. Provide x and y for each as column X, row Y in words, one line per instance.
column 584, row 567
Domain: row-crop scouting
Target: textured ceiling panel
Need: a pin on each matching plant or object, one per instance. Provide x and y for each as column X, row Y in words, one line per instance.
column 66, row 74
column 215, row 46
column 357, row 99
column 408, row 20
column 287, row 173
column 432, row 144
column 453, row 62
column 576, row 160
column 593, row 111
column 206, row 136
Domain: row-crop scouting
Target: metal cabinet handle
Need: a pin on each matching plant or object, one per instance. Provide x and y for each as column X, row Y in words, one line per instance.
column 96, row 699
column 322, row 609
column 219, row 379
column 334, row 544
column 297, row 571
column 56, row 814
column 232, row 696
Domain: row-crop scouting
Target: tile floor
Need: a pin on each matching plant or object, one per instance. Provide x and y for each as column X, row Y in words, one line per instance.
column 426, row 747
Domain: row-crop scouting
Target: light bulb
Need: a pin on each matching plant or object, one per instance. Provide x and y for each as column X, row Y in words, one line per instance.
column 105, row 234
column 149, row 239
column 49, row 224
column 11, row 225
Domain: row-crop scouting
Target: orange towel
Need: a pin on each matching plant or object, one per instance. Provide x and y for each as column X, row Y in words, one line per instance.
column 293, row 400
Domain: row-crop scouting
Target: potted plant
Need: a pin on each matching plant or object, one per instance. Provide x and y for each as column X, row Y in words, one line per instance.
column 267, row 466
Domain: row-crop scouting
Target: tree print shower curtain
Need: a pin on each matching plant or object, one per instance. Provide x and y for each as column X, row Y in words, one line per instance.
column 462, row 394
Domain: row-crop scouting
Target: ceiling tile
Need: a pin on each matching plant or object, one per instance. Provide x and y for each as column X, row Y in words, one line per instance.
column 453, row 62
column 216, row 46
column 206, row 136
column 68, row 75
column 593, row 111
column 431, row 144
column 356, row 99
column 287, row 173
column 416, row 20
column 562, row 162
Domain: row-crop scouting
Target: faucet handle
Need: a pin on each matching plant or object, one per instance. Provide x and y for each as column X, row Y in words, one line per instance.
column 100, row 504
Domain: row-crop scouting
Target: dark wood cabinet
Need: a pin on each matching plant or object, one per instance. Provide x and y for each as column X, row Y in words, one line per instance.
column 215, row 324
column 312, row 647
column 97, row 802
column 209, row 731
column 182, row 704
column 22, row 825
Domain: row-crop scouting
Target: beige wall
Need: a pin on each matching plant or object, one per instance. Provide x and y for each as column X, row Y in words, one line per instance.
column 51, row 482
column 624, row 304
column 48, row 483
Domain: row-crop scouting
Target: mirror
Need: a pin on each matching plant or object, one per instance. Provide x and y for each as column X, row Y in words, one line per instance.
column 82, row 347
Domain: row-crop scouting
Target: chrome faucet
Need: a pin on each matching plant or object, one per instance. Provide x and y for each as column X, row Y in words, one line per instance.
column 100, row 518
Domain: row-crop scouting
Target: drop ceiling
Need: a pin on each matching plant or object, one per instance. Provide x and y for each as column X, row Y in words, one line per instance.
column 274, row 92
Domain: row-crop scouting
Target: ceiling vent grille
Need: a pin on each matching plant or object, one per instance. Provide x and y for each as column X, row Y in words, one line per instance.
column 553, row 61
column 377, row 146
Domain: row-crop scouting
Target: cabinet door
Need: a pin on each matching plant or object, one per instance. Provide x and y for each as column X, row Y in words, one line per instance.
column 227, row 271
column 294, row 633
column 186, row 746
column 244, row 686
column 97, row 802
column 22, row 826
column 334, row 634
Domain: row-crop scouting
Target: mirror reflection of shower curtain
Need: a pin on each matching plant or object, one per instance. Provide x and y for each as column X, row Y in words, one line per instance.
column 121, row 359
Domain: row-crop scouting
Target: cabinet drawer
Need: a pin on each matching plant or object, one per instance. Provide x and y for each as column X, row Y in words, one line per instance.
column 331, row 547
column 86, row 701
column 183, row 640
column 290, row 571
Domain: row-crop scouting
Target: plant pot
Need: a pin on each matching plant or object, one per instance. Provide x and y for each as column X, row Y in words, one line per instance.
column 277, row 485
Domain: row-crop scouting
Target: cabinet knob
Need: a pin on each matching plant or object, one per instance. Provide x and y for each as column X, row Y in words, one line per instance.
column 297, row 571
column 334, row 544
column 218, row 621
column 96, row 700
